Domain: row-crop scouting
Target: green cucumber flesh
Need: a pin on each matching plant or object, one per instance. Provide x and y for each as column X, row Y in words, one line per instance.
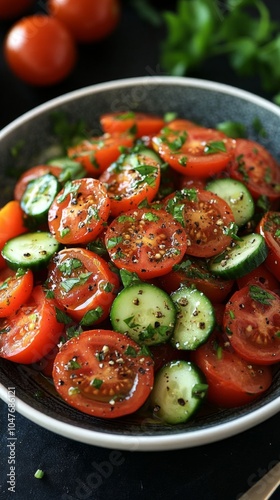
column 144, row 312
column 243, row 257
column 195, row 318
column 236, row 196
column 178, row 392
column 39, row 195
column 30, row 250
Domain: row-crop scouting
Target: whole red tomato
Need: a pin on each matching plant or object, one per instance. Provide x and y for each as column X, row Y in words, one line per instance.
column 87, row 20
column 9, row 9
column 40, row 50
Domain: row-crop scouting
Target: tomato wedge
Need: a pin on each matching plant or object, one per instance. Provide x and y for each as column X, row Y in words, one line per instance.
column 197, row 151
column 232, row 382
column 252, row 324
column 96, row 154
column 79, row 211
column 103, row 373
column 132, row 179
column 136, row 123
column 257, row 169
column 15, row 289
column 146, row 241
column 269, row 228
column 206, row 218
column 83, row 284
column 32, row 331
column 260, row 276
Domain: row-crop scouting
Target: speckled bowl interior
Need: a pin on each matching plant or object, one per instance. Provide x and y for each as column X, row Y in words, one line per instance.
column 205, row 102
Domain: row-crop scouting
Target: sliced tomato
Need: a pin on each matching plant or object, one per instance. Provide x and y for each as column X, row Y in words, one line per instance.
column 269, row 228
column 83, row 284
column 257, row 169
column 146, row 241
column 206, row 219
column 252, row 324
column 103, row 373
column 260, row 276
column 232, row 382
column 129, row 181
column 96, row 154
column 139, row 124
column 32, row 331
column 10, row 212
column 192, row 271
column 31, row 174
column 78, row 213
column 197, row 151
column 15, row 289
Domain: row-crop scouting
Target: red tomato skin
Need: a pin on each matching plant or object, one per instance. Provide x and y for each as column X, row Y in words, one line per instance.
column 77, row 301
column 267, row 228
column 12, row 9
column 39, row 50
column 252, row 326
column 260, row 276
column 135, row 255
column 146, row 125
column 231, row 381
column 11, row 211
column 39, row 339
column 87, row 20
column 251, row 165
column 16, row 293
column 69, row 220
column 83, row 349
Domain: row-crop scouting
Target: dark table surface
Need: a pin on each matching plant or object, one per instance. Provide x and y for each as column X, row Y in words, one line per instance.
column 73, row 470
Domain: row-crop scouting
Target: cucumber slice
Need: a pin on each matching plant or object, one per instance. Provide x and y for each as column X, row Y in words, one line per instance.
column 144, row 312
column 30, row 250
column 195, row 318
column 237, row 197
column 70, row 169
column 178, row 392
column 243, row 257
column 39, row 195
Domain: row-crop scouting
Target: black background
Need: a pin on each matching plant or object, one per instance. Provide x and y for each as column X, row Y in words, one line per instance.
column 73, row 470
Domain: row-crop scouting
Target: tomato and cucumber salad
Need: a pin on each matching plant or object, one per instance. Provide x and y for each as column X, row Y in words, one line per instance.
column 141, row 271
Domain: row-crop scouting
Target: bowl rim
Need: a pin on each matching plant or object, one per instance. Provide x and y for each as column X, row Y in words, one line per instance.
column 143, row 442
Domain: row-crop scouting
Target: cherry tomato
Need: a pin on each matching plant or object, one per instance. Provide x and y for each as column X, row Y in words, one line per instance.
column 141, row 124
column 79, row 211
column 40, row 50
column 192, row 271
column 83, row 284
column 32, row 331
column 260, row 276
column 103, row 373
column 195, row 151
column 87, row 20
column 206, row 219
column 11, row 9
column 97, row 154
column 269, row 228
column 15, row 289
column 146, row 241
column 132, row 179
column 257, row 169
column 252, row 324
column 232, row 382
column 10, row 212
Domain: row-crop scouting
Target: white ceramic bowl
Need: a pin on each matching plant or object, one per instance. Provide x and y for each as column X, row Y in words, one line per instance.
column 207, row 103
